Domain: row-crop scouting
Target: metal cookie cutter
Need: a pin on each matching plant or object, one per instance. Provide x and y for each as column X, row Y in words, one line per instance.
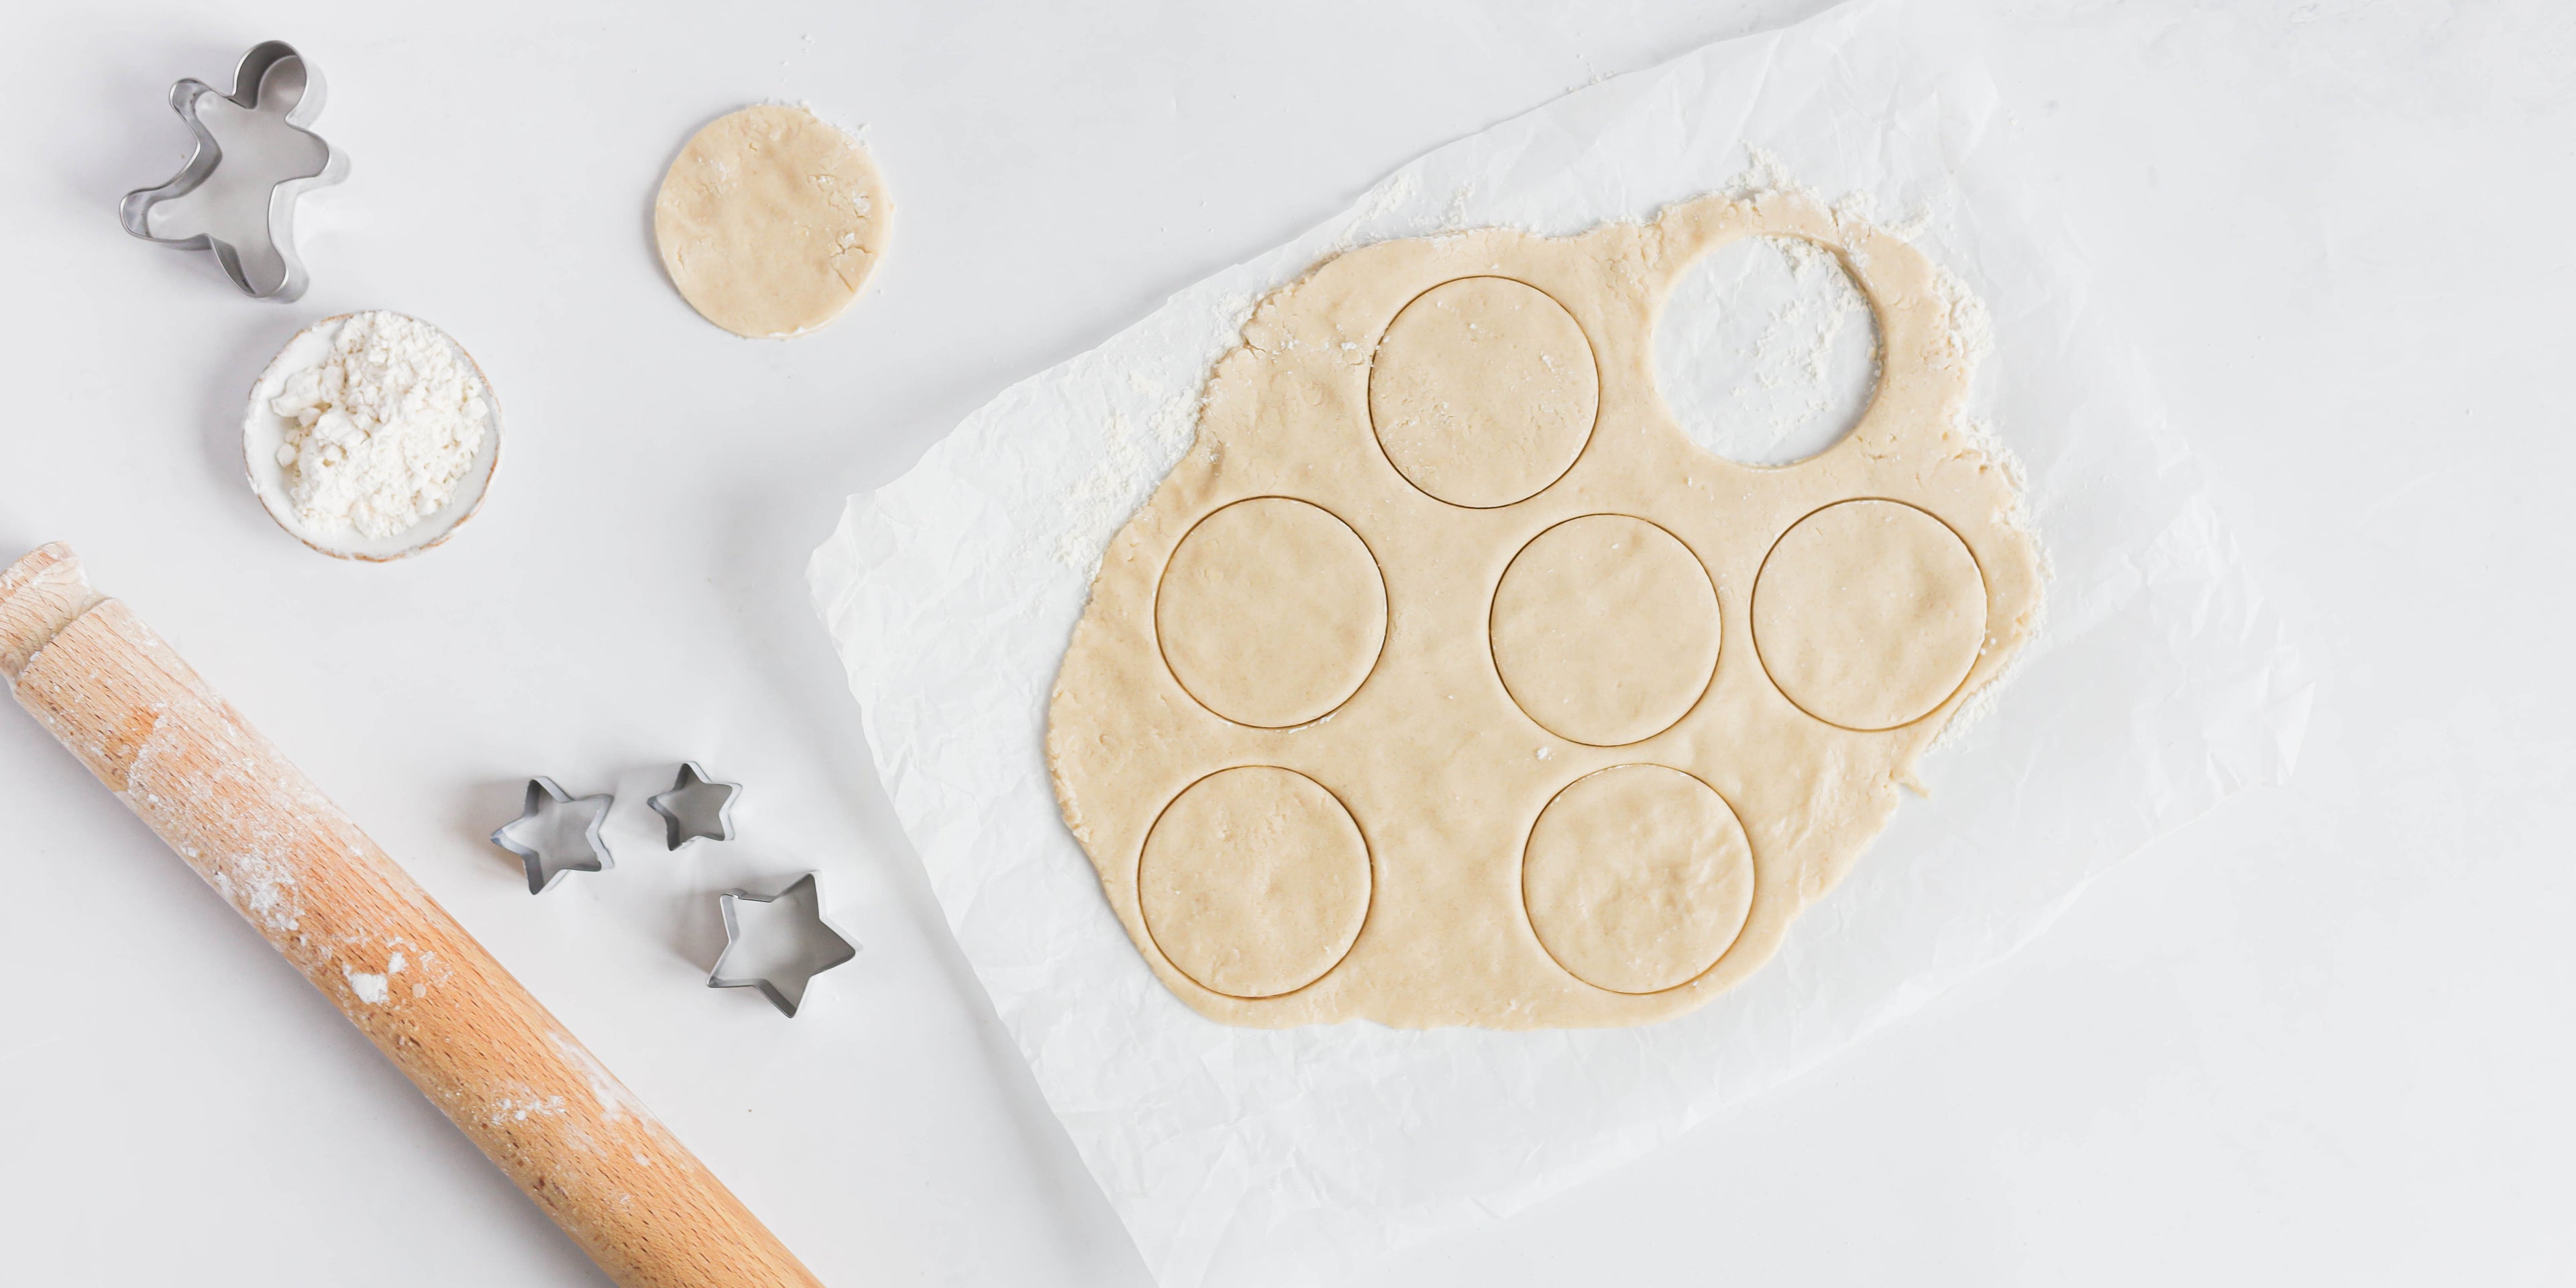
column 696, row 806
column 277, row 94
column 556, row 833
column 780, row 961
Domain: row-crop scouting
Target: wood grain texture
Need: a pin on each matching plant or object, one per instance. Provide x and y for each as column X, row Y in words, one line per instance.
column 339, row 909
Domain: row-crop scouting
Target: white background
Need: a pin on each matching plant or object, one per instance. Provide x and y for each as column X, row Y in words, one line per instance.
column 2324, row 1035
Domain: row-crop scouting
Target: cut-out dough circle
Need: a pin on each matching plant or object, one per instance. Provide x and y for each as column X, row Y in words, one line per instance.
column 1637, row 878
column 770, row 220
column 1869, row 614
column 1254, row 882
column 1605, row 629
column 1483, row 391
column 1271, row 612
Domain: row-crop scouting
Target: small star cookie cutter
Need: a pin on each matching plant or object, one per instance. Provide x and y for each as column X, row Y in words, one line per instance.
column 283, row 92
column 780, row 971
column 555, row 833
column 696, row 806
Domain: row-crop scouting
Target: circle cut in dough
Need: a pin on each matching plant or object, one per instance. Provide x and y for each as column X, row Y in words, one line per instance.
column 1605, row 629
column 1254, row 882
column 1483, row 391
column 1869, row 614
column 1637, row 878
column 1271, row 612
column 770, row 221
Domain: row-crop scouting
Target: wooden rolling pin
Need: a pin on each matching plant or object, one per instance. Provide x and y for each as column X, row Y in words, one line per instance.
column 344, row 913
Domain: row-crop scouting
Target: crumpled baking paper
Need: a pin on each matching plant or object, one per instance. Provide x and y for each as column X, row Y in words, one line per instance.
column 2159, row 685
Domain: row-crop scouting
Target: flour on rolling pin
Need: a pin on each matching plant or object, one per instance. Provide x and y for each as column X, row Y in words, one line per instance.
column 371, row 435
column 347, row 917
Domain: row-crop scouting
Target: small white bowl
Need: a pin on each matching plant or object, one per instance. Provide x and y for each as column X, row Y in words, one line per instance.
column 264, row 430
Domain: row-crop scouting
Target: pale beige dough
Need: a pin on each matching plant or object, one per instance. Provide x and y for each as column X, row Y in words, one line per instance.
column 1271, row 612
column 1868, row 614
column 1605, row 629
column 1441, row 674
column 770, row 220
column 1483, row 391
column 1637, row 878
column 1254, row 882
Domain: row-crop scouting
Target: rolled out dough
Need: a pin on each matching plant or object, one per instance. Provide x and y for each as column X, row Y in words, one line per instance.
column 770, row 220
column 1444, row 681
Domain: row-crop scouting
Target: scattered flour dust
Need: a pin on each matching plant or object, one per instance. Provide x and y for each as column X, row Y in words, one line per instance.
column 1132, row 460
column 614, row 1100
column 1766, row 350
column 382, row 428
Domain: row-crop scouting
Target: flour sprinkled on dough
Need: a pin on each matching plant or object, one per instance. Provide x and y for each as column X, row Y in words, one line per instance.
column 770, row 221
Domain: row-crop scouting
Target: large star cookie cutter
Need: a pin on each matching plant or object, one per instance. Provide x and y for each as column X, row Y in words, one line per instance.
column 276, row 94
column 793, row 943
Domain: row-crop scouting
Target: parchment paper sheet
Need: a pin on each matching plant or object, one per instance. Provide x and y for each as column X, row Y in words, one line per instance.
column 2160, row 685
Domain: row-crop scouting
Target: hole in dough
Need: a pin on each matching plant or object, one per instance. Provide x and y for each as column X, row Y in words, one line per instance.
column 1271, row 612
column 1766, row 351
column 1483, row 391
column 1254, row 882
column 1605, row 629
column 1637, row 878
column 1868, row 614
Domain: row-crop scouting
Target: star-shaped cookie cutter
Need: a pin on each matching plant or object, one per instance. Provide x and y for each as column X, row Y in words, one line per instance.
column 696, row 806
column 783, row 977
column 273, row 80
column 538, row 834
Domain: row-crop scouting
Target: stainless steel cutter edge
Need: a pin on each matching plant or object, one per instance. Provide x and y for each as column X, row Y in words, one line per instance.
column 533, row 858
column 733, row 933
column 135, row 211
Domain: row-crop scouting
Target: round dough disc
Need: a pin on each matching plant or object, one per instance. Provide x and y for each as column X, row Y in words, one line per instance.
column 770, row 221
column 1254, row 883
column 1638, row 878
column 1868, row 614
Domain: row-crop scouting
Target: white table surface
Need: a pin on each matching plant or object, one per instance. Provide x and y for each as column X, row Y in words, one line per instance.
column 2324, row 1035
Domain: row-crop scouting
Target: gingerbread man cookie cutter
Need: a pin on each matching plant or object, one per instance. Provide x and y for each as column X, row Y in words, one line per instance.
column 275, row 96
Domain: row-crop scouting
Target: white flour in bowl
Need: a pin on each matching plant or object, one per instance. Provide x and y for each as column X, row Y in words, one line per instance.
column 381, row 428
